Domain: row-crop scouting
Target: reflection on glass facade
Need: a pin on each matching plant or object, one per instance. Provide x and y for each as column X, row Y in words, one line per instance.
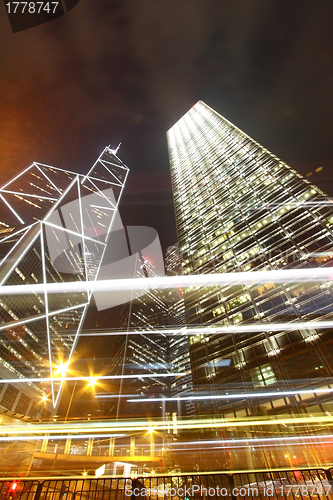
column 54, row 225
column 239, row 208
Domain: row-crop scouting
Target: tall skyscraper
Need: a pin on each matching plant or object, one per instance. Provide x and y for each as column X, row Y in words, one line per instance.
column 240, row 208
column 55, row 226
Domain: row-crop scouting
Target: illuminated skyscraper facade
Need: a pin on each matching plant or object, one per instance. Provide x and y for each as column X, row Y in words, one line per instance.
column 239, row 208
column 178, row 343
column 55, row 226
column 143, row 355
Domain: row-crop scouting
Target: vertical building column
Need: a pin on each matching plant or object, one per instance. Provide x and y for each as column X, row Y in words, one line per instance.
column 152, row 444
column 132, row 447
column 68, row 446
column 163, row 410
column 44, row 444
column 174, row 423
column 111, row 447
column 90, row 446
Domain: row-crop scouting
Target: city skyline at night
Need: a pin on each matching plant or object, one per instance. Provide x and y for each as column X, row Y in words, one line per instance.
column 166, row 302
column 231, row 346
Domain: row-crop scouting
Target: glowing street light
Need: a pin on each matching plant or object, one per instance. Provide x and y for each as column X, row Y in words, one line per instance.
column 61, row 369
column 44, row 398
column 92, row 382
column 150, row 430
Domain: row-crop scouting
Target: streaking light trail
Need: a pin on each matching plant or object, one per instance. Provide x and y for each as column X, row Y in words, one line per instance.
column 255, row 440
column 263, row 327
column 97, row 429
column 60, row 437
column 86, row 379
column 235, row 396
column 162, row 282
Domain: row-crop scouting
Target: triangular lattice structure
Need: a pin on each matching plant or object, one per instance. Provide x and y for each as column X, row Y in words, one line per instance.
column 54, row 225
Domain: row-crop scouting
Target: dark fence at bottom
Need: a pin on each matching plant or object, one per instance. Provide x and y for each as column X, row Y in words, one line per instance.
column 289, row 484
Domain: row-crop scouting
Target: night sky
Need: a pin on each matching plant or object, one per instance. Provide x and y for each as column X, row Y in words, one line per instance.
column 126, row 70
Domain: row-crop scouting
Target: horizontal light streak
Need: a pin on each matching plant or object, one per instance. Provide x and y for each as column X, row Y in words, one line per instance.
column 94, row 428
column 116, row 396
column 165, row 282
column 208, row 330
column 101, row 377
column 218, row 444
column 254, row 440
column 253, row 446
column 60, row 436
column 234, row 396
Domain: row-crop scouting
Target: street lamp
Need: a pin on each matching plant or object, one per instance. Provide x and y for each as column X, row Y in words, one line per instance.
column 92, row 382
column 61, row 369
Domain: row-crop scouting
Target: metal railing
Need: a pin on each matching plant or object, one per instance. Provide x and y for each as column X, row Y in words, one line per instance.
column 312, row 483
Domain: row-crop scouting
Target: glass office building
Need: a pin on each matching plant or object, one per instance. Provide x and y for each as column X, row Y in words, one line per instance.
column 178, row 343
column 141, row 356
column 240, row 208
column 54, row 228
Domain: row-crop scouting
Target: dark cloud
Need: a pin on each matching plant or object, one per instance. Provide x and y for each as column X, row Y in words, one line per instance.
column 126, row 70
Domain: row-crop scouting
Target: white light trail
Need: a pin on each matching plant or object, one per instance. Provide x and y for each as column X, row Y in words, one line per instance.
column 60, row 436
column 116, row 395
column 254, row 440
column 93, row 428
column 250, row 445
column 101, row 377
column 216, row 444
column 208, row 330
column 235, row 396
column 165, row 282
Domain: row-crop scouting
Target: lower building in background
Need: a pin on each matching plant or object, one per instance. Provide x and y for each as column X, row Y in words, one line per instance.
column 139, row 358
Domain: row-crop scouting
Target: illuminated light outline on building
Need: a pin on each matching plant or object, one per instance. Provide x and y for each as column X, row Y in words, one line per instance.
column 85, row 284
